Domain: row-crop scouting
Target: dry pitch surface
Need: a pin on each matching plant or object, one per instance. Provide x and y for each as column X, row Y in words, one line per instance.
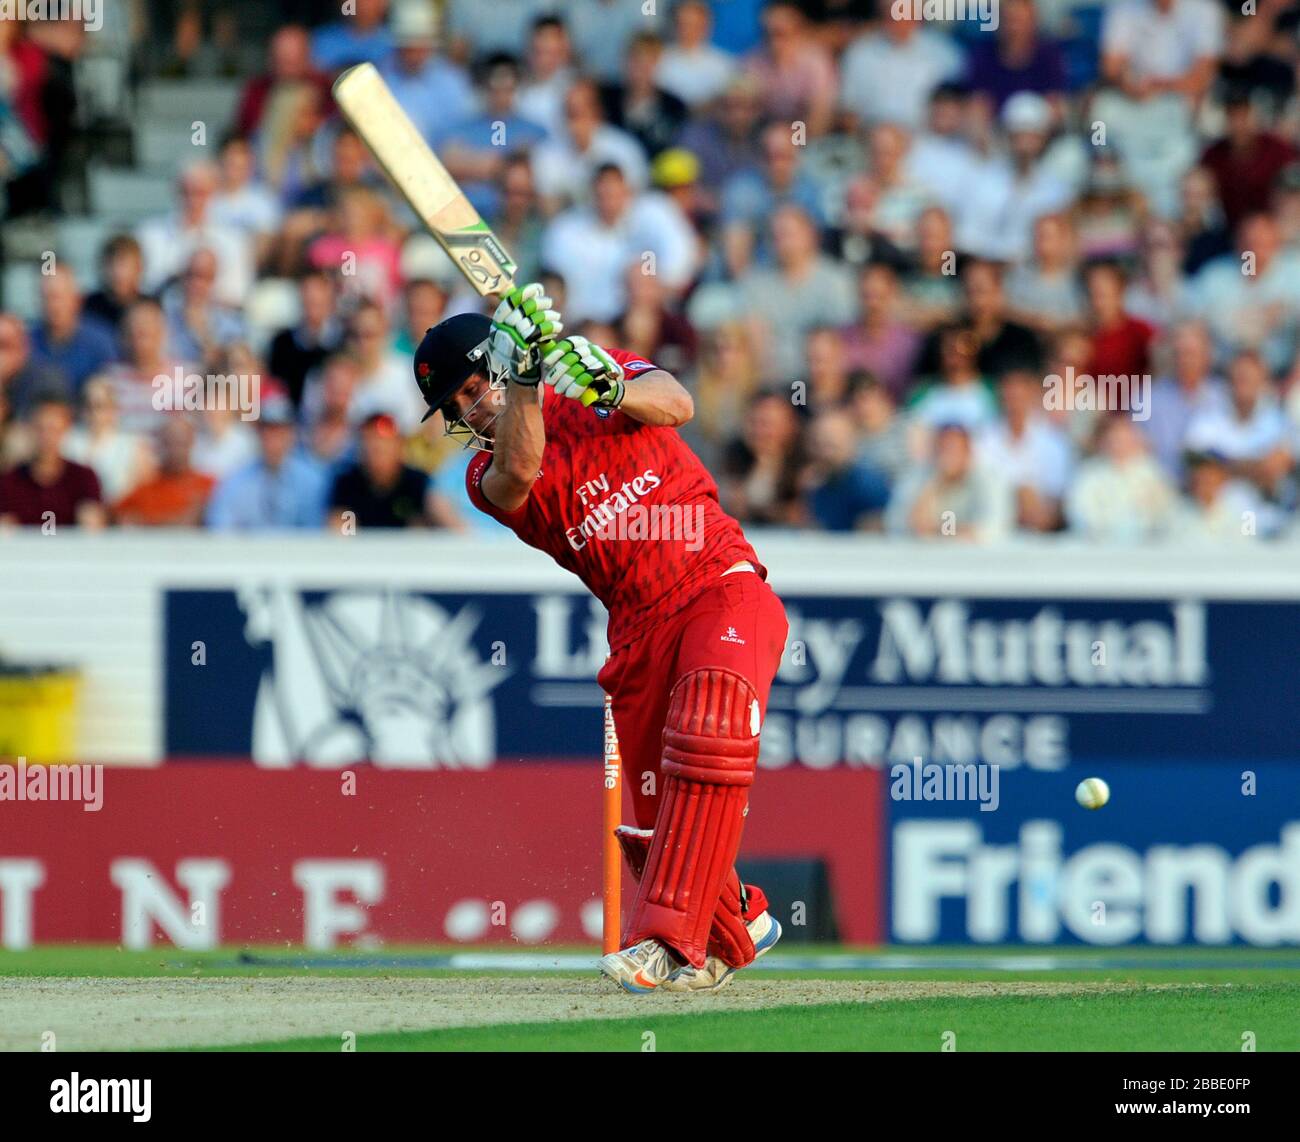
column 133, row 1013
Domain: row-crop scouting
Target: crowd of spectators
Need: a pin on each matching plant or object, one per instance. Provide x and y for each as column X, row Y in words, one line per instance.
column 888, row 257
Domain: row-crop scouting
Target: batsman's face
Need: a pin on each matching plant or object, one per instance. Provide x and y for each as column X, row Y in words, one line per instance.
column 475, row 407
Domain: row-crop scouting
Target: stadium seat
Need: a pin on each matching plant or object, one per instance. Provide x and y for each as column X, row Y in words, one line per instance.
column 206, row 101
column 22, row 289
column 164, row 147
column 79, row 242
column 127, row 195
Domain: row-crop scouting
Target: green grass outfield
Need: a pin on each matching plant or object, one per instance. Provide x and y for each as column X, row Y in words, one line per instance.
column 1154, row 999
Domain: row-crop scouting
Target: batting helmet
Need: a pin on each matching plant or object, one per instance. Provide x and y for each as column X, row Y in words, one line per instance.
column 450, row 353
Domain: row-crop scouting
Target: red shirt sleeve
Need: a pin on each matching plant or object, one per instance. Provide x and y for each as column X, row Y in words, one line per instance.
column 633, row 364
column 474, row 474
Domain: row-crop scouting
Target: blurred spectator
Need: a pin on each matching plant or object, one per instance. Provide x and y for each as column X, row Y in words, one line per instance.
column 752, row 195
column 1189, row 390
column 653, row 327
column 198, row 326
column 24, row 379
column 843, row 492
column 361, row 36
column 592, row 247
column 65, row 337
column 795, row 73
column 961, row 394
column 880, row 342
column 51, row 491
column 900, row 196
column 726, row 381
column 1251, row 431
column 38, row 59
column 726, row 138
column 167, row 243
column 379, row 490
column 803, row 290
column 565, row 165
column 1018, row 57
column 424, row 305
column 225, row 444
column 690, row 67
column 677, row 173
column 857, row 239
column 518, row 221
column 329, row 429
column 119, row 459
column 997, row 218
column 951, row 497
column 827, row 372
column 146, row 355
column 296, row 350
column 1121, row 343
column 21, row 68
column 361, row 246
column 1044, row 293
column 1031, row 453
column 1109, row 215
column 1001, row 344
column 1218, row 509
column 244, row 203
column 888, row 72
column 931, row 294
column 1246, row 162
column 280, row 489
column 384, row 383
column 1120, row 495
column 1286, row 207
column 177, row 495
column 121, row 281
column 294, row 152
column 432, row 90
column 943, row 157
column 759, row 480
column 1159, row 294
column 1161, row 56
column 882, row 432
column 1251, row 301
column 1200, row 222
column 477, row 148
column 637, row 105
column 289, row 65
column 549, row 72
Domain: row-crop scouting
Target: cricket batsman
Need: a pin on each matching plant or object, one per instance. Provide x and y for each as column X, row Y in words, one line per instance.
column 580, row 457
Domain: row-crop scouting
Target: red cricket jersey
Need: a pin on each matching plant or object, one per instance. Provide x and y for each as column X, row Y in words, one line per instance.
column 626, row 507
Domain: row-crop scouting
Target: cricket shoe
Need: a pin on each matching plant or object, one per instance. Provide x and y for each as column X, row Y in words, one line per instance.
column 640, row 968
column 764, row 930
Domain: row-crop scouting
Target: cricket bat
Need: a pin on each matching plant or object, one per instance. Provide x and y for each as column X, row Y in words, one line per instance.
column 425, row 183
column 416, row 171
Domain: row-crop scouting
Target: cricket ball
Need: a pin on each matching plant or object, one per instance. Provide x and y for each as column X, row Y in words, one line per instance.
column 1092, row 793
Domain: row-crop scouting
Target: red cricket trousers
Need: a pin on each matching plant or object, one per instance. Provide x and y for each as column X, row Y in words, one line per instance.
column 739, row 624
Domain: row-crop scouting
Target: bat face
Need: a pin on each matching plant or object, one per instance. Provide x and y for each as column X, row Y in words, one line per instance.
column 415, row 170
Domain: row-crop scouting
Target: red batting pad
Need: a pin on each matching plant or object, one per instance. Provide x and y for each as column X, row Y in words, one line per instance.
column 710, row 754
column 729, row 939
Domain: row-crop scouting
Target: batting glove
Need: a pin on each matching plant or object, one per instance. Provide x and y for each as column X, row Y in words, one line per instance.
column 581, row 371
column 523, row 321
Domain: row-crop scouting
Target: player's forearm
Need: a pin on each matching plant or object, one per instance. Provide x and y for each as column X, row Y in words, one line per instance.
column 658, row 399
column 517, row 448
